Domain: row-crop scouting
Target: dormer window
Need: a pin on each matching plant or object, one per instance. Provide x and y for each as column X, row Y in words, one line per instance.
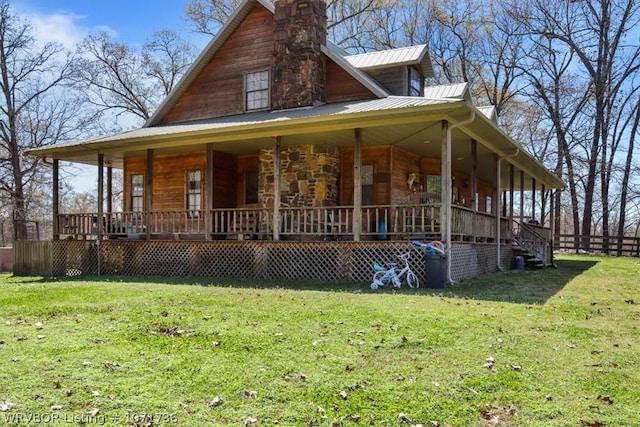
column 257, row 91
column 416, row 82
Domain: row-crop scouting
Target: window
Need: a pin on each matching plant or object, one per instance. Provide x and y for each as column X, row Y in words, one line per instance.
column 367, row 185
column 433, row 187
column 489, row 206
column 194, row 192
column 251, row 188
column 137, row 192
column 415, row 82
column 257, row 91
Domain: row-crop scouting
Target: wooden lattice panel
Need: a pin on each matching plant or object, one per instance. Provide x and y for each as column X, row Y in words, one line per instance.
column 329, row 261
column 227, row 259
column 300, row 260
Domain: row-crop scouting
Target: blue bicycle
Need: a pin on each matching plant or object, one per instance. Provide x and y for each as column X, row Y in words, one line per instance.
column 394, row 275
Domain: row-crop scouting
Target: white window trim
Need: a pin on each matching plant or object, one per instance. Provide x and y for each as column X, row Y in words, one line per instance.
column 268, row 89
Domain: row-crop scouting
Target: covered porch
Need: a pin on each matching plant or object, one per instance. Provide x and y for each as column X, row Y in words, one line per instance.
column 374, row 172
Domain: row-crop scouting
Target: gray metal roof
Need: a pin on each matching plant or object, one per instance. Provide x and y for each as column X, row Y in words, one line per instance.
column 412, row 55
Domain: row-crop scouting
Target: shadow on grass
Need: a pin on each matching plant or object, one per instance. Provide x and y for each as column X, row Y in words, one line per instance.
column 521, row 287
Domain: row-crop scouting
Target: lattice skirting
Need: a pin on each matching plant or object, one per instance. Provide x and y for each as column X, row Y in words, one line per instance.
column 327, row 261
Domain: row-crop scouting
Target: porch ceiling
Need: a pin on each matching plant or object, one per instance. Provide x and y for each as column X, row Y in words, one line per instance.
column 413, row 125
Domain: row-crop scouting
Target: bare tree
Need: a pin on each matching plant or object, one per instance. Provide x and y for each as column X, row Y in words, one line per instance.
column 34, row 110
column 119, row 79
column 598, row 34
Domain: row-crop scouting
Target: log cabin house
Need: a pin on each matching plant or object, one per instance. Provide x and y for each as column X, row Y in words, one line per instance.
column 280, row 155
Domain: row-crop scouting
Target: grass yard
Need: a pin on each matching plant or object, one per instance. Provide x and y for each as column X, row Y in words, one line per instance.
column 559, row 347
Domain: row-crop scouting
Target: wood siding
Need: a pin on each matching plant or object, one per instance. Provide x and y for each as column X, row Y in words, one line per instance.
column 219, row 89
column 248, row 163
column 224, row 180
column 379, row 157
column 341, row 87
column 170, row 178
column 393, row 79
column 403, row 163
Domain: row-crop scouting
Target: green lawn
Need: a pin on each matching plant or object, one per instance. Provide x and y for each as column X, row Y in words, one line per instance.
column 559, row 347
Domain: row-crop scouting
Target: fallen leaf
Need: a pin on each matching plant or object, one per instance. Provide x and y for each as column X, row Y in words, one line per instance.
column 516, row 367
column 248, row 421
column 86, row 363
column 95, row 393
column 6, row 406
column 94, row 412
column 41, row 337
column 629, row 301
column 56, row 407
column 404, row 417
column 8, row 323
column 67, row 392
column 39, row 325
column 343, row 395
column 250, row 394
column 56, row 384
column 606, row 399
column 216, row 401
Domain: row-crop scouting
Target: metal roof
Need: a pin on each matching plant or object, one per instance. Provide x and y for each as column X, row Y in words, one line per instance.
column 261, row 117
column 450, row 91
column 412, row 55
column 490, row 112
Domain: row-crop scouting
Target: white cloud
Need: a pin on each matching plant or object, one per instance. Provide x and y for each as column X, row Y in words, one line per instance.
column 64, row 28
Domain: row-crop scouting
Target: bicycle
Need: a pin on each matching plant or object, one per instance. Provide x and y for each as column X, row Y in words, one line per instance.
column 394, row 275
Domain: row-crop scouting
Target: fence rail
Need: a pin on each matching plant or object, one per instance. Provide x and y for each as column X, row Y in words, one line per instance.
column 610, row 245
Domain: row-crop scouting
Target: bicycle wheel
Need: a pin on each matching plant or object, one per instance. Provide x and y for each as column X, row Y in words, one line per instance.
column 381, row 278
column 412, row 280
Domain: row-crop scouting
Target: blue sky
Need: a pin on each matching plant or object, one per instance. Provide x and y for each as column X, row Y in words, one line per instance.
column 129, row 21
column 132, row 21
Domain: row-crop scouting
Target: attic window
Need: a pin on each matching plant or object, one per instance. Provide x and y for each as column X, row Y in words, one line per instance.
column 415, row 82
column 257, row 91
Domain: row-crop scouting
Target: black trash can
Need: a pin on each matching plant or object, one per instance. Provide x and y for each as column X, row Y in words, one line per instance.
column 435, row 270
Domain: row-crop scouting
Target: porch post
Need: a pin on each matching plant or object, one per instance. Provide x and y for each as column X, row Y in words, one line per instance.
column 521, row 197
column 445, row 159
column 497, row 200
column 357, row 186
column 544, row 204
column 474, row 174
column 100, row 196
column 533, row 198
column 511, row 191
column 148, row 200
column 276, row 188
column 552, row 225
column 208, row 195
column 56, row 199
column 109, row 189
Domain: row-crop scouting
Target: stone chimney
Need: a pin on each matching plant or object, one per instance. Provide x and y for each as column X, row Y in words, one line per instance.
column 299, row 69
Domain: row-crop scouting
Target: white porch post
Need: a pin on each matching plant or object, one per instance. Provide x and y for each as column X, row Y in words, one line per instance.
column 521, row 198
column 56, row 198
column 533, row 198
column 276, row 188
column 511, row 195
column 357, row 185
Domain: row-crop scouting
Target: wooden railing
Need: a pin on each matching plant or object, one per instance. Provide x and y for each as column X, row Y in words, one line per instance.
column 395, row 222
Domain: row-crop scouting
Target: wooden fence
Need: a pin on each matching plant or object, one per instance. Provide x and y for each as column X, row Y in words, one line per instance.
column 610, row 245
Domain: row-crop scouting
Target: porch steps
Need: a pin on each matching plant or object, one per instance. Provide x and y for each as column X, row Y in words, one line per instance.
column 531, row 261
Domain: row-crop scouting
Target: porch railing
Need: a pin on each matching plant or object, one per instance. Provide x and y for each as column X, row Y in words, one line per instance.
column 384, row 222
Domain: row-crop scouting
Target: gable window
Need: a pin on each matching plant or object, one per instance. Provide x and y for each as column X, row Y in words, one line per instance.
column 257, row 91
column 367, row 185
column 194, row 192
column 415, row 82
column 137, row 192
